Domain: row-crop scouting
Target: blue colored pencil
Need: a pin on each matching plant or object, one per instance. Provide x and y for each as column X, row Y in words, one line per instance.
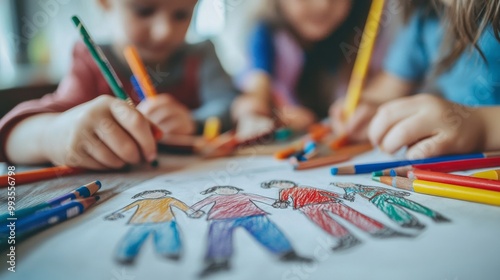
column 84, row 191
column 372, row 167
column 50, row 216
column 137, row 88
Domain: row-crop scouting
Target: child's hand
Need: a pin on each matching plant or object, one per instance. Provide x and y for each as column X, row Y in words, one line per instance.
column 249, row 105
column 357, row 126
column 169, row 115
column 428, row 125
column 296, row 117
column 105, row 133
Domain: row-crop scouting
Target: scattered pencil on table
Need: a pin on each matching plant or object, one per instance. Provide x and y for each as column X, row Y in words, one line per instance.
column 84, row 191
column 442, row 190
column 373, row 167
column 212, row 128
column 33, row 176
column 490, row 174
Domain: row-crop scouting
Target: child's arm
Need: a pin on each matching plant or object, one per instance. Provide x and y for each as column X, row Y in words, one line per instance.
column 102, row 133
column 431, row 126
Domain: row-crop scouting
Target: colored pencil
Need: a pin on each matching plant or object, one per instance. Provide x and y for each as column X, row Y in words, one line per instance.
column 212, row 128
column 451, row 166
column 445, row 178
column 442, row 190
column 84, row 191
column 320, row 162
column 140, row 72
column 38, row 175
column 490, row 174
column 137, row 88
column 362, row 62
column 109, row 73
column 51, row 216
column 372, row 167
column 339, row 142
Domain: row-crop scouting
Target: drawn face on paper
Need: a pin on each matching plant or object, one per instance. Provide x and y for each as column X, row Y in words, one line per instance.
column 280, row 184
column 226, row 191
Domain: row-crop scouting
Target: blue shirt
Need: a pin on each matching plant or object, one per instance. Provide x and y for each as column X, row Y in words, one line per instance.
column 470, row 81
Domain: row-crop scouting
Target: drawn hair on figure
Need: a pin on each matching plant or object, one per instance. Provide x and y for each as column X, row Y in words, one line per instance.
column 149, row 192
column 213, row 189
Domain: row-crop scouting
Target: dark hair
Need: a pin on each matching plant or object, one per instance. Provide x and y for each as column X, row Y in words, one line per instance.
column 323, row 57
column 213, row 189
column 466, row 21
column 267, row 185
column 148, row 192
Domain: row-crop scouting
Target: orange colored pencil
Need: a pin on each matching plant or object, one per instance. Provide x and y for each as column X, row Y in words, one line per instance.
column 140, row 72
column 38, row 175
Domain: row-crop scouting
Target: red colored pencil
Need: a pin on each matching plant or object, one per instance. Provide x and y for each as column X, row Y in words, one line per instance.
column 445, row 178
column 460, row 165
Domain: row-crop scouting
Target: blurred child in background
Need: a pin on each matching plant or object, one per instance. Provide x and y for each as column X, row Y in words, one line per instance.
column 450, row 52
column 82, row 125
column 296, row 60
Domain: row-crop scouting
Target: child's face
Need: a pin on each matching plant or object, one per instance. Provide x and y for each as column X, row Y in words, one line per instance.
column 156, row 27
column 315, row 20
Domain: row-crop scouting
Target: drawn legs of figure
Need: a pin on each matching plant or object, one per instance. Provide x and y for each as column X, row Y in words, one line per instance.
column 130, row 245
column 167, row 240
column 220, row 241
column 391, row 206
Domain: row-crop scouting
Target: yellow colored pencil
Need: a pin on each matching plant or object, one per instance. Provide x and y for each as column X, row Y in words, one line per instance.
column 443, row 190
column 140, row 72
column 490, row 174
column 363, row 59
column 212, row 128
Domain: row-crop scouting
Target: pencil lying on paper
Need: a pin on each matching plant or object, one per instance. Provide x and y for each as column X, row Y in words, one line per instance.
column 38, row 175
column 451, row 166
column 445, row 178
column 84, row 191
column 372, row 167
column 490, row 174
column 443, row 190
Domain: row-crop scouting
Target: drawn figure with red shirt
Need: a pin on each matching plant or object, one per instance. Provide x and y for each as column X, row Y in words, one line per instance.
column 318, row 204
column 231, row 210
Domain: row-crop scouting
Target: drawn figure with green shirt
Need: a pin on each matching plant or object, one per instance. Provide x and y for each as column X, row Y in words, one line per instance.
column 152, row 216
column 392, row 203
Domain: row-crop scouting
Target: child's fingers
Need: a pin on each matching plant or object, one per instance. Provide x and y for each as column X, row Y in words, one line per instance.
column 429, row 147
column 405, row 133
column 103, row 155
column 120, row 143
column 387, row 116
column 137, row 126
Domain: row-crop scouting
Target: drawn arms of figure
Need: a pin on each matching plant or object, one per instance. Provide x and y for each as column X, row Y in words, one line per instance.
column 118, row 214
column 189, row 211
column 200, row 204
column 282, row 202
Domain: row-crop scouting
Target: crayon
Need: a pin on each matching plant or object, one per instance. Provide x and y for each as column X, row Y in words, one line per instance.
column 38, row 175
column 442, row 190
column 451, row 166
column 372, row 167
column 490, row 174
column 82, row 192
column 445, row 178
column 137, row 88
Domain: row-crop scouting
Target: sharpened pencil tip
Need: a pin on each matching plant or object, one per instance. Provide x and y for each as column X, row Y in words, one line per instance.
column 377, row 173
column 393, row 173
column 98, row 183
column 376, row 178
column 335, row 171
column 155, row 163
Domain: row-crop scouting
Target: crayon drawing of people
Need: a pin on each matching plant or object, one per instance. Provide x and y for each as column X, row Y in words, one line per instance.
column 152, row 216
column 231, row 210
column 318, row 205
column 392, row 203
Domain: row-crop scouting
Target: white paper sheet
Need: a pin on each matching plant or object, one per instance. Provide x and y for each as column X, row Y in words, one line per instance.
column 467, row 247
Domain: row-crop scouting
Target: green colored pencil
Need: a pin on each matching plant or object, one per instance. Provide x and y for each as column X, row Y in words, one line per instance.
column 102, row 62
